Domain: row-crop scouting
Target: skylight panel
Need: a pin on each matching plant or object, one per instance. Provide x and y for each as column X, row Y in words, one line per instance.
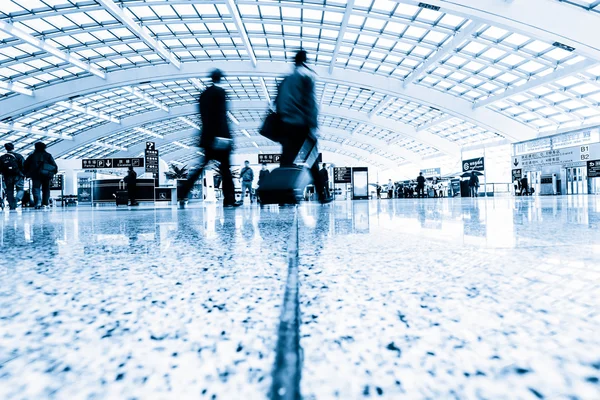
column 356, row 20
column 572, row 105
column 384, row 5
column 366, row 39
column 557, row 54
column 473, row 66
column 512, row 60
column 406, row 10
column 537, row 47
column 455, row 61
column 451, row 21
column 415, row 32
column 421, row 51
column 494, row 33
column 436, row 37
column 314, row 15
column 394, row 28
column 291, row 13
column 38, row 25
column 493, row 54
column 100, row 16
column 568, row 81
column 585, row 88
column 557, row 97
column 531, row 67
column 373, row 23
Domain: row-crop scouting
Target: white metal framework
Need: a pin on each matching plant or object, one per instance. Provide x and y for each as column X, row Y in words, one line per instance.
column 401, row 80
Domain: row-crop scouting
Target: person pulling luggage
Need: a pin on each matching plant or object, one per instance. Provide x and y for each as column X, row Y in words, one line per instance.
column 297, row 107
column 215, row 139
column 131, row 181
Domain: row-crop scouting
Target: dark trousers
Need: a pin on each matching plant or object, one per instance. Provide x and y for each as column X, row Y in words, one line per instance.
column 10, row 184
column 420, row 191
column 291, row 144
column 222, row 157
column 131, row 193
column 390, row 194
column 41, row 191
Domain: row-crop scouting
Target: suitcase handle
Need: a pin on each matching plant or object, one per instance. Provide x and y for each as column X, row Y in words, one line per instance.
column 121, row 185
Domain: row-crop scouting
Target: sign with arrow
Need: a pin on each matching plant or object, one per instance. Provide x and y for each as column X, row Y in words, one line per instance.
column 106, row 163
column 516, row 162
column 151, row 157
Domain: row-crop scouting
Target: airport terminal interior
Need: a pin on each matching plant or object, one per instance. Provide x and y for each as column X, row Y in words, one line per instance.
column 447, row 248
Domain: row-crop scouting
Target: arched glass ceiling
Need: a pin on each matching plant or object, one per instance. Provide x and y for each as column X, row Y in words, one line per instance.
column 454, row 80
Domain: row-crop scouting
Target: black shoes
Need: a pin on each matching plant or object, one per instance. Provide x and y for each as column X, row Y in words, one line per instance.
column 231, row 205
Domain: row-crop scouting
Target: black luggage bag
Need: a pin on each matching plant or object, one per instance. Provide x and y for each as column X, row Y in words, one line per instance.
column 121, row 196
column 284, row 185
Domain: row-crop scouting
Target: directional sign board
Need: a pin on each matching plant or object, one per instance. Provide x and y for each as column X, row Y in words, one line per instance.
column 431, row 172
column 593, row 169
column 269, row 158
column 56, row 183
column 473, row 164
column 106, row 163
column 151, row 157
column 342, row 175
column 517, row 174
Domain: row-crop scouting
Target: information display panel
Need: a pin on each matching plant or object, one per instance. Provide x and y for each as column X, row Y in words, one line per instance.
column 342, row 175
column 360, row 183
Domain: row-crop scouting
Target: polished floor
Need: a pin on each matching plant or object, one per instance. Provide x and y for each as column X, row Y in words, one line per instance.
column 399, row 299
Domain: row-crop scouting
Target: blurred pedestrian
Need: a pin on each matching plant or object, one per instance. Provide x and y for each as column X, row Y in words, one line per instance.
column 215, row 138
column 325, row 179
column 474, row 184
column 297, row 107
column 41, row 168
column 13, row 173
column 390, row 189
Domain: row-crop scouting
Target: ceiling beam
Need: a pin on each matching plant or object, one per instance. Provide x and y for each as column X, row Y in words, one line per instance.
column 146, row 97
column 119, row 14
column 537, row 82
column 49, row 48
column 443, row 50
column 437, row 121
column 17, row 127
column 17, row 88
column 239, row 25
column 447, row 103
column 538, row 19
column 341, row 32
column 382, row 104
column 88, row 111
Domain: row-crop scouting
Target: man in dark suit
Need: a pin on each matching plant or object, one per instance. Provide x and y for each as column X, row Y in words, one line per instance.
column 215, row 138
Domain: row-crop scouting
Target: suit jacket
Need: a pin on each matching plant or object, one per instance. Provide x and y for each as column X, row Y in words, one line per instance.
column 34, row 162
column 213, row 112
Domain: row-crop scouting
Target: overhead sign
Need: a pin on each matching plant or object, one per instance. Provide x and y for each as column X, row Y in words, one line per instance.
column 593, row 169
column 431, row 172
column 106, row 163
column 269, row 158
column 567, row 157
column 151, row 157
column 473, row 164
column 342, row 175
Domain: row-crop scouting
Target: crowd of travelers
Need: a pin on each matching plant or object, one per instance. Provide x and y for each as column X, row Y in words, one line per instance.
column 39, row 167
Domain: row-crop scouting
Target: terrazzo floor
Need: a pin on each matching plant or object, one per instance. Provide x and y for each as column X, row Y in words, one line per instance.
column 398, row 299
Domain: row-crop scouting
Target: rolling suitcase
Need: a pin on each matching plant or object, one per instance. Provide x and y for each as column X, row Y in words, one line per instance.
column 121, row 196
column 284, row 185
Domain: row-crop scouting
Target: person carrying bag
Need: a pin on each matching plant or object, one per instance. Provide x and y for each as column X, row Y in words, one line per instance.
column 41, row 168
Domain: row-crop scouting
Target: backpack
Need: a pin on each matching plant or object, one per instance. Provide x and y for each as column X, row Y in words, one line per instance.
column 9, row 165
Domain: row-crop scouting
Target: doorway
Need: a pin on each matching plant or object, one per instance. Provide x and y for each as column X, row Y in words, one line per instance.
column 577, row 182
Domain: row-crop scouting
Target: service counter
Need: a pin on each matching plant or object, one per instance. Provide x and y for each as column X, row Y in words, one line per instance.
column 105, row 190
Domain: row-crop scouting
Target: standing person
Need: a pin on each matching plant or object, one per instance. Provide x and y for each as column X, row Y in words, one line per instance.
column 13, row 172
column 40, row 167
column 215, row 138
column 516, row 186
column 131, row 180
column 524, row 186
column 420, row 185
column 325, row 179
column 263, row 174
column 390, row 189
column 378, row 191
column 297, row 107
column 247, row 177
column 474, row 184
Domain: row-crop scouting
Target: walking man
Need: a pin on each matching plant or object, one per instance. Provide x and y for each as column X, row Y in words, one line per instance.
column 474, row 184
column 12, row 170
column 390, row 189
column 40, row 167
column 215, row 138
column 247, row 176
column 297, row 107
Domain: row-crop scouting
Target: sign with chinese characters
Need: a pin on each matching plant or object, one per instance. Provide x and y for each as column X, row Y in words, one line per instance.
column 269, row 158
column 567, row 157
column 342, row 175
column 151, row 158
column 106, row 163
column 517, row 174
column 593, row 169
column 473, row 164
column 431, row 172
